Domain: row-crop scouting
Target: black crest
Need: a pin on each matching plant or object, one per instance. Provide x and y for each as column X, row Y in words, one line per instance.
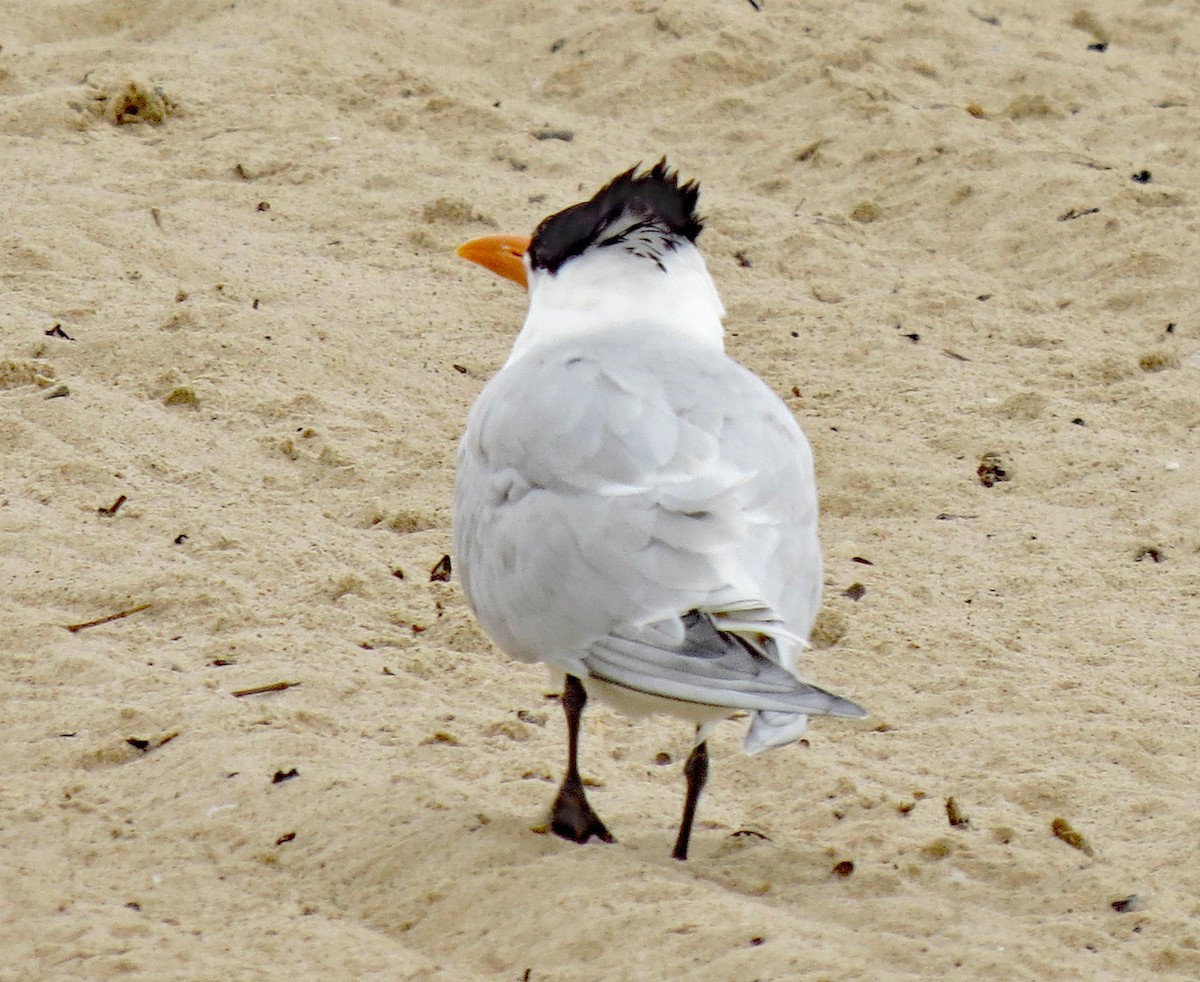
column 667, row 210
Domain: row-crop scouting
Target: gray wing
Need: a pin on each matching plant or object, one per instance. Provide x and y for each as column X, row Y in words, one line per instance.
column 709, row 667
column 608, row 486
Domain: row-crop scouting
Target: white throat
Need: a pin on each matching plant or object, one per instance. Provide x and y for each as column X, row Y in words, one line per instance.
column 605, row 289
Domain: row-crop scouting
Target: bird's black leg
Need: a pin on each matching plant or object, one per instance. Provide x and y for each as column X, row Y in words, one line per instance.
column 572, row 817
column 696, row 771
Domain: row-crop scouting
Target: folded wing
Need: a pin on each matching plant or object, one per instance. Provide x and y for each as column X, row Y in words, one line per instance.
column 644, row 512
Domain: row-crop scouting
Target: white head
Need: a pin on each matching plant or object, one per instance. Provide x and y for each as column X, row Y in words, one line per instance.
column 625, row 256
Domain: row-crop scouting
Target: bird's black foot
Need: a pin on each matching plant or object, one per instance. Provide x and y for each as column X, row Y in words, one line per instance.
column 572, row 817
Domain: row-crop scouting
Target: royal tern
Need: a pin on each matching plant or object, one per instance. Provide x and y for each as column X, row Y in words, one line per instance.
column 632, row 506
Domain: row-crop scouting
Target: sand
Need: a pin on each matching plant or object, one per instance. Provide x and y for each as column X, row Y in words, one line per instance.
column 961, row 241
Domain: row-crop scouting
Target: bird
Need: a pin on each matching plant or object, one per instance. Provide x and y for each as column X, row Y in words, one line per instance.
column 632, row 507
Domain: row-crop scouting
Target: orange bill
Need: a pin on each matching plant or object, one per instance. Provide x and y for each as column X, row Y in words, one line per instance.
column 499, row 253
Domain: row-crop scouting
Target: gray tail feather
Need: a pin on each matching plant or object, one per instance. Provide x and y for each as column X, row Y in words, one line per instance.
column 713, row 668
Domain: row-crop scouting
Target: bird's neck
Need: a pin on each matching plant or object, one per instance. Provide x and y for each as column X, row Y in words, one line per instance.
column 611, row 289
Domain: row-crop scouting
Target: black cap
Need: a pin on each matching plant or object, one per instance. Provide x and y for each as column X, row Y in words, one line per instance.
column 666, row 209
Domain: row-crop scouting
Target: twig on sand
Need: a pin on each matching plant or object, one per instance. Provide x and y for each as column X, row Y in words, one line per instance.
column 110, row 617
column 112, row 509
column 260, row 689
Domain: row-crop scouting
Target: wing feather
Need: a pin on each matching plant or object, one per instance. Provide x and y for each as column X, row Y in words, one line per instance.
column 608, row 485
column 709, row 667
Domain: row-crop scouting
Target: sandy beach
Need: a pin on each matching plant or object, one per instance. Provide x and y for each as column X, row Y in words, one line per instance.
column 236, row 354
